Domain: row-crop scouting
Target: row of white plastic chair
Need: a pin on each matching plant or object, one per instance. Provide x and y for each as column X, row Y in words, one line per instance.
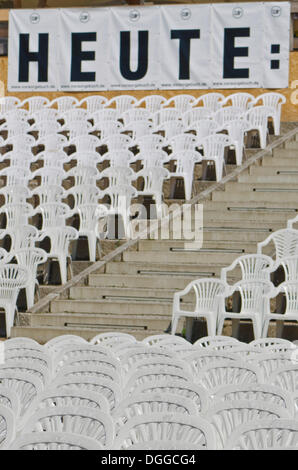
column 207, row 406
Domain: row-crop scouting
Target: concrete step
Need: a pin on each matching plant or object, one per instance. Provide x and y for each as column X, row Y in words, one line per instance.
column 274, row 179
column 196, row 257
column 285, row 152
column 173, row 245
column 291, row 145
column 282, row 196
column 104, row 322
column 273, row 171
column 253, row 206
column 118, row 293
column 267, row 186
column 149, row 307
column 165, row 269
column 44, row 333
column 116, row 282
column 269, row 161
column 229, row 234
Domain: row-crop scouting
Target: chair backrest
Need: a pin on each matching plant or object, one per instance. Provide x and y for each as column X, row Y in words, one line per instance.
column 285, row 243
column 175, row 427
column 264, row 434
column 208, row 293
column 94, row 103
column 79, row 420
column 211, row 100
column 181, row 102
column 64, row 103
column 152, row 103
column 7, row 426
column 239, row 100
column 214, row 145
column 55, row 441
column 253, row 267
column 123, row 103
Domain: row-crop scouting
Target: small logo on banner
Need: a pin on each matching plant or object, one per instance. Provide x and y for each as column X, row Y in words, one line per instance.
column 84, row 17
column 237, row 12
column 134, row 15
column 275, row 11
column 2, row 356
column 34, row 18
column 185, row 14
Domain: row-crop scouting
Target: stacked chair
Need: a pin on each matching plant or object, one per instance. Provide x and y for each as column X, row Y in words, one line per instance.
column 162, row 393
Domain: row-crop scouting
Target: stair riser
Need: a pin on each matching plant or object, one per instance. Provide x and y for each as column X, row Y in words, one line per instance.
column 89, row 321
column 137, row 308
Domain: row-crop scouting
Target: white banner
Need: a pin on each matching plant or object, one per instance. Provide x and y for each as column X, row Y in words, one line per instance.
column 83, row 36
column 32, row 50
column 150, row 47
column 186, row 46
column 134, row 43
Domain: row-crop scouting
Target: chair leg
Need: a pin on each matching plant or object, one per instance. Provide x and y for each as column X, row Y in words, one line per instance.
column 220, row 325
column 174, row 324
column 279, row 328
column 63, row 270
column 92, row 247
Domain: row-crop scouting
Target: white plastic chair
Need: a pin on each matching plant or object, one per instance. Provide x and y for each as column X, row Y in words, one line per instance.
column 195, row 115
column 219, row 374
column 31, row 258
column 254, row 267
column 209, row 297
column 184, row 168
column 45, row 114
column 117, row 142
column 152, row 103
column 135, row 114
column 112, row 338
column 10, row 399
column 26, row 385
column 181, row 102
column 21, row 236
column 227, row 416
column 149, row 143
column 86, row 143
column 270, row 362
column 170, row 431
column 257, row 392
column 264, row 343
column 83, row 194
column 89, row 216
column 12, row 279
column 9, row 102
column 213, row 101
column 64, row 103
column 224, row 116
column 60, row 342
column 239, row 100
column 285, row 243
column 182, row 142
column 7, row 427
column 254, row 304
column 165, row 115
column 55, row 441
column 122, row 103
column 35, row 103
column 265, row 434
column 53, row 142
column 188, row 389
column 274, row 102
column 48, row 193
column 120, row 196
column 154, row 178
column 103, row 115
column 109, row 389
column 236, row 131
column 60, row 238
column 93, row 103
column 290, row 289
column 148, row 403
column 257, row 119
column 79, row 420
column 214, row 148
column 53, row 214
column 170, row 129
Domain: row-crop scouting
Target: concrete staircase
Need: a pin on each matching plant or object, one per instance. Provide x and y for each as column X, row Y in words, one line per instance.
column 133, row 291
